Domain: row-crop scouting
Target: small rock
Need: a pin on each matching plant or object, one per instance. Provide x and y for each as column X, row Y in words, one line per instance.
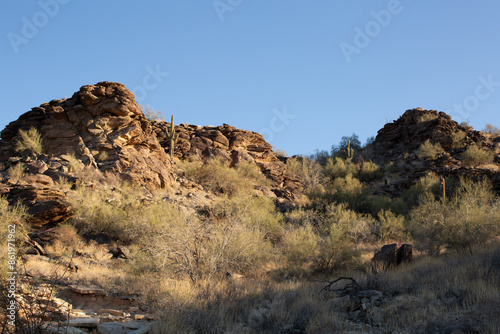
column 84, row 322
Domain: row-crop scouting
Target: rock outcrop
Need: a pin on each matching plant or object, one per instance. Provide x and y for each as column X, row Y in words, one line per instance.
column 397, row 144
column 230, row 145
column 104, row 127
column 415, row 126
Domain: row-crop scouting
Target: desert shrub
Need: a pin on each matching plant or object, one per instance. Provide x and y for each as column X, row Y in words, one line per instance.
column 431, row 183
column 458, row 138
column 469, row 218
column 300, row 245
column 339, row 168
column 279, row 152
column 206, row 250
column 369, row 171
column 107, row 210
column 429, row 150
column 475, row 156
column 31, row 140
column 348, row 190
column 340, row 233
column 216, row 176
column 253, row 211
column 391, row 226
column 11, row 214
column 492, row 130
column 74, row 164
column 16, row 172
column 151, row 114
column 373, row 204
column 308, row 171
column 301, row 217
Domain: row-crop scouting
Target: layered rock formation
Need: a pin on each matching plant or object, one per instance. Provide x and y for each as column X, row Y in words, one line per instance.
column 102, row 126
column 232, row 146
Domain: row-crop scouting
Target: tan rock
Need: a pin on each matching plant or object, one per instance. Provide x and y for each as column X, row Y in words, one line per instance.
column 87, row 289
column 98, row 118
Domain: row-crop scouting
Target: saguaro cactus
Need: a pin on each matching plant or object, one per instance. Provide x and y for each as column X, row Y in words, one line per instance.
column 171, row 137
column 350, row 152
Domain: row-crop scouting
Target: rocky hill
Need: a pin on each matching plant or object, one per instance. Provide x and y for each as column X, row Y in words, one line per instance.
column 397, row 146
column 103, row 128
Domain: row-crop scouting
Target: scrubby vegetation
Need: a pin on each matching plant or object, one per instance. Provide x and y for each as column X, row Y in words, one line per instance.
column 475, row 156
column 230, row 262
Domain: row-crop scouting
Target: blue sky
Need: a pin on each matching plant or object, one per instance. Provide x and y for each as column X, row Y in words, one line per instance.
column 303, row 73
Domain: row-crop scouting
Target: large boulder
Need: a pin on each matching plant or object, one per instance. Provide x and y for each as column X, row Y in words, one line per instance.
column 46, row 206
column 104, row 127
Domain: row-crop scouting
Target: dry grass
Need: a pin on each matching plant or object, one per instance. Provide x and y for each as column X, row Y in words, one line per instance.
column 30, row 140
column 446, row 294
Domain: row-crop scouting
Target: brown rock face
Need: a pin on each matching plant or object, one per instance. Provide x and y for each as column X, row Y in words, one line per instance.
column 231, row 145
column 104, row 127
column 398, row 143
column 46, row 206
column 416, row 126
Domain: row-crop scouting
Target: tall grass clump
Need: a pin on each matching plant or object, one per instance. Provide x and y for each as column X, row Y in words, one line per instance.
column 31, row 140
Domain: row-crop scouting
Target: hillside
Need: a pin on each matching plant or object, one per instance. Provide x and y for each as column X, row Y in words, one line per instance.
column 110, row 234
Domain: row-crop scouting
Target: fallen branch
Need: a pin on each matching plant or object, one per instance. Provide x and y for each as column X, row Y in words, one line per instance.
column 353, row 285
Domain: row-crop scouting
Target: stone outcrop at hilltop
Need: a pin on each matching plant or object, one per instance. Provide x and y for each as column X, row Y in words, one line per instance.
column 232, row 146
column 415, row 126
column 103, row 126
column 397, row 144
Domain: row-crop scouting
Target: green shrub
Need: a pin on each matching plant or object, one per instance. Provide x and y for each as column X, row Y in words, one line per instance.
column 348, row 190
column 468, row 219
column 475, row 156
column 255, row 212
column 218, row 177
column 391, row 226
column 458, row 138
column 369, row 172
column 429, row 151
column 339, row 168
column 300, row 245
column 31, row 140
column 431, row 183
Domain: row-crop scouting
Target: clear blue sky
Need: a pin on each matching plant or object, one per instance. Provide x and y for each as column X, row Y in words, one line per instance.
column 334, row 67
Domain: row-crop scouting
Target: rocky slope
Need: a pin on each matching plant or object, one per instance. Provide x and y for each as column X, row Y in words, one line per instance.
column 233, row 146
column 397, row 146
